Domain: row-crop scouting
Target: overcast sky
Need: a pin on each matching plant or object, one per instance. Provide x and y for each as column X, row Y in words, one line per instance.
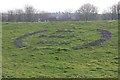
column 54, row 5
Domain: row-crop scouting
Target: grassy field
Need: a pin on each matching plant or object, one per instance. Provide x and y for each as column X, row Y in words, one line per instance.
column 60, row 60
column 0, row 50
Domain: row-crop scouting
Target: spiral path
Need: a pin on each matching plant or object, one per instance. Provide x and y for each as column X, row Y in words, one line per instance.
column 105, row 35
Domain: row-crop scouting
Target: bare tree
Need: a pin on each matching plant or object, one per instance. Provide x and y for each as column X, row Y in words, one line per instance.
column 87, row 12
column 29, row 13
column 67, row 14
column 19, row 15
column 118, row 9
column 114, row 11
column 111, row 13
column 11, row 16
column 106, row 14
column 42, row 16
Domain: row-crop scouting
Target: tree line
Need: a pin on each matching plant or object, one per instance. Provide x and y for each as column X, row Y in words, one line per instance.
column 85, row 12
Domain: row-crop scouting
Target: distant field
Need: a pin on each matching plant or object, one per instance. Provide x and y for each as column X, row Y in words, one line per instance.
column 50, row 54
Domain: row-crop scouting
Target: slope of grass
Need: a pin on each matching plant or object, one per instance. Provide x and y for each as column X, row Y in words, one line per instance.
column 60, row 60
column 0, row 50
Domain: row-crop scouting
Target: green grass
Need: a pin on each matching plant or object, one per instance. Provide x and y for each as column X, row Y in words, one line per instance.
column 59, row 60
column 0, row 50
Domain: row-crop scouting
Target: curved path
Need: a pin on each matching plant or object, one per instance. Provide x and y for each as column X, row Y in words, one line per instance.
column 105, row 36
column 18, row 41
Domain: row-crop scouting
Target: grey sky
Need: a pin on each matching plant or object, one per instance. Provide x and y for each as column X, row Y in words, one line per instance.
column 54, row 5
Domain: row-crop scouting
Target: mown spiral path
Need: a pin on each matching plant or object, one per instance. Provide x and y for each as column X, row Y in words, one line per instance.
column 105, row 35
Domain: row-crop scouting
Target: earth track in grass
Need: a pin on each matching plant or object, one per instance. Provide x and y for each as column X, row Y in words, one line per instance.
column 105, row 36
column 18, row 41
